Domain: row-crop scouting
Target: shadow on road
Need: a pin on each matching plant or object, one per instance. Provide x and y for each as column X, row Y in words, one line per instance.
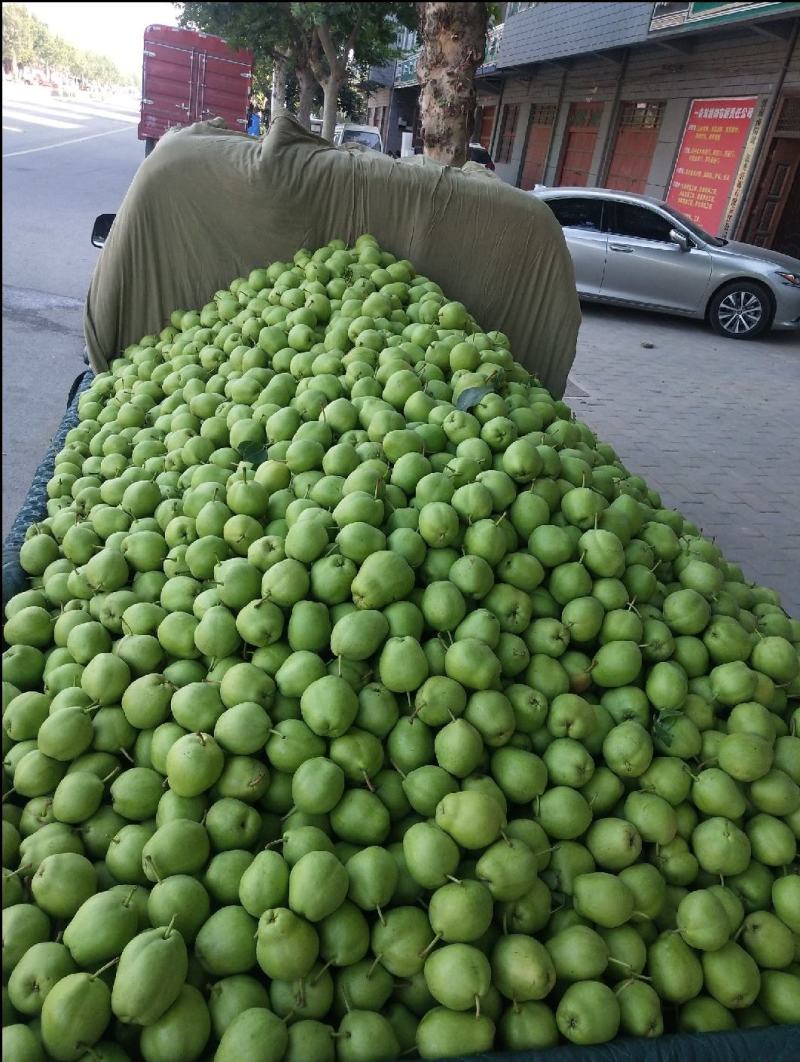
column 682, row 327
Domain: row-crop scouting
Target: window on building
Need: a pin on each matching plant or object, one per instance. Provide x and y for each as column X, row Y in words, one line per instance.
column 514, row 9
column 640, row 223
column 586, row 214
column 585, row 115
column 408, row 39
column 789, row 118
column 543, row 113
column 508, row 129
column 637, row 114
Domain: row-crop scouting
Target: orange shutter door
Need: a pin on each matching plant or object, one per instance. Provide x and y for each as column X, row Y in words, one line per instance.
column 487, row 123
column 630, row 163
column 577, row 157
column 580, row 140
column 535, row 155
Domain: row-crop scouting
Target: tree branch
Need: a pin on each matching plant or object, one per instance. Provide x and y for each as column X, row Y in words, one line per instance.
column 351, row 40
column 328, row 47
column 338, row 66
column 314, row 60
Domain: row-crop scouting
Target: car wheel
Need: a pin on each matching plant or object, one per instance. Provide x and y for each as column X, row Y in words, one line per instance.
column 740, row 310
column 149, row 144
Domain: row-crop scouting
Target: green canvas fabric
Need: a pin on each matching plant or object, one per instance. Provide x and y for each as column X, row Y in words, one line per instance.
column 210, row 204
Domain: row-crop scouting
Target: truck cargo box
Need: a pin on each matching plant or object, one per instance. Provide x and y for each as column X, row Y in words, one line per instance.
column 188, row 77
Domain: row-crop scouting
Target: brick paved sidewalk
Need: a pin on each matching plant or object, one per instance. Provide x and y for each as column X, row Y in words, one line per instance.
column 712, row 424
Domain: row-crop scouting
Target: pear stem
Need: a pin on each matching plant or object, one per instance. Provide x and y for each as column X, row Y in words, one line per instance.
column 430, row 947
column 103, row 969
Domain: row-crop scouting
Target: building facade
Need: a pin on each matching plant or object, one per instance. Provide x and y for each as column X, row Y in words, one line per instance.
column 696, row 103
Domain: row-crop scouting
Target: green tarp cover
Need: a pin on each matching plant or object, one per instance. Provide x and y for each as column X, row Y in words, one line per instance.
column 210, row 204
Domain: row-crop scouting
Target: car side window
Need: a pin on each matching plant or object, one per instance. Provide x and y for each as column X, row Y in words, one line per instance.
column 630, row 219
column 585, row 214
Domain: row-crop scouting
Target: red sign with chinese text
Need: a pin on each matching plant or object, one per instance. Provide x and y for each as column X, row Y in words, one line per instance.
column 708, row 159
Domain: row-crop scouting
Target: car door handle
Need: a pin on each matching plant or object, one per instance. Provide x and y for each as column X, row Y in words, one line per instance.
column 623, row 247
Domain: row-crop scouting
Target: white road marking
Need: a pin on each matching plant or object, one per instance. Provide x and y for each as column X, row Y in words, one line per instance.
column 576, row 383
column 65, row 143
column 11, row 129
column 77, row 111
column 33, row 119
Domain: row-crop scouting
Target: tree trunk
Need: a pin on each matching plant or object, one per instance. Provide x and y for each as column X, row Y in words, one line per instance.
column 333, row 80
column 453, row 46
column 330, row 107
column 278, row 98
column 307, row 85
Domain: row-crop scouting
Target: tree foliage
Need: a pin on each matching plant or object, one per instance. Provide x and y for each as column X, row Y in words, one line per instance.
column 18, row 34
column 27, row 41
column 343, row 33
column 352, row 96
column 331, row 43
column 268, row 30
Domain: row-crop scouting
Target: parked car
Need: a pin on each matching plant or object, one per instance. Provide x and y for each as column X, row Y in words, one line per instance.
column 634, row 250
column 478, row 153
column 368, row 135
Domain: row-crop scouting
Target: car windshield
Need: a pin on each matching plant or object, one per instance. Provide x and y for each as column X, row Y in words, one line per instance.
column 359, row 136
column 694, row 229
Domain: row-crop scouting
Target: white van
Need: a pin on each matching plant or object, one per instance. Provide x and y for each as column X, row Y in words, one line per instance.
column 368, row 135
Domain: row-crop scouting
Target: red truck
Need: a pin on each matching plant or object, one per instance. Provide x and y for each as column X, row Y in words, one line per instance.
column 189, row 77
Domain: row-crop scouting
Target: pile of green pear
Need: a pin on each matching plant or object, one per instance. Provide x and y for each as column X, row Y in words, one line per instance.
column 362, row 705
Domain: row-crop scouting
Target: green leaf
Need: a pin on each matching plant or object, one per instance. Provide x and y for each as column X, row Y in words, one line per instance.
column 471, row 396
column 252, row 452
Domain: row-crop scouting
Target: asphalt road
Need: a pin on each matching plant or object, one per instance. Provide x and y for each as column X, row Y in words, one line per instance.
column 64, row 162
column 709, row 422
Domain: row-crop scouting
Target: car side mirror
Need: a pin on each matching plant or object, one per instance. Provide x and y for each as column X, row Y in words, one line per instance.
column 681, row 239
column 101, row 228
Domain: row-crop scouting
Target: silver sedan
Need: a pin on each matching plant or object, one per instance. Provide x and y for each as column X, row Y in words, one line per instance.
column 632, row 250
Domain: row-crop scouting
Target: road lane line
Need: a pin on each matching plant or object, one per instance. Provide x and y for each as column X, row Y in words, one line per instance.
column 12, row 129
column 33, row 119
column 76, row 111
column 66, row 143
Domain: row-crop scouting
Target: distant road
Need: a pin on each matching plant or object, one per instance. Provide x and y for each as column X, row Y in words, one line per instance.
column 64, row 162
